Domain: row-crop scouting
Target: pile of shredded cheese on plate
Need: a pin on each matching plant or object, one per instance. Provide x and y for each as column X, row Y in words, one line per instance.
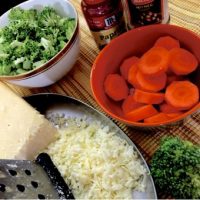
column 96, row 163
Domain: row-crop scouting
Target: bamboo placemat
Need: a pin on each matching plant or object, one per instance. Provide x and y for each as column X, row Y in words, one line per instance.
column 76, row 83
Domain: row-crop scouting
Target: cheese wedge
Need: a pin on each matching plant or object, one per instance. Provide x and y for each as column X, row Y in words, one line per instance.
column 24, row 132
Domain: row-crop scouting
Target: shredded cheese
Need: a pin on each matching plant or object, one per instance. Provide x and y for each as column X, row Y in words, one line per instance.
column 96, row 163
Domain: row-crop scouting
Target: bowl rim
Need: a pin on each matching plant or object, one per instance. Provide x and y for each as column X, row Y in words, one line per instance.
column 49, row 64
column 193, row 110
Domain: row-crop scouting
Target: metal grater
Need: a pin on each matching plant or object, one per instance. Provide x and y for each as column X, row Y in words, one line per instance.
column 24, row 179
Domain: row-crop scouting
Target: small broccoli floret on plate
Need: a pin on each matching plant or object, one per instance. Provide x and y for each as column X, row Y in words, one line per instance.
column 175, row 167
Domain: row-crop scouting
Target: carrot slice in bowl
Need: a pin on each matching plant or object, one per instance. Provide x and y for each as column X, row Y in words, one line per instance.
column 151, row 83
column 126, row 65
column 115, row 87
column 132, row 76
column 155, row 61
column 148, row 97
column 171, row 78
column 158, row 118
column 182, row 62
column 174, row 115
column 130, row 104
column 141, row 113
column 182, row 95
column 168, row 109
column 167, row 42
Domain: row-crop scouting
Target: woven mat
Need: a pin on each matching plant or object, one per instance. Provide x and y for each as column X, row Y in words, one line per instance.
column 76, row 83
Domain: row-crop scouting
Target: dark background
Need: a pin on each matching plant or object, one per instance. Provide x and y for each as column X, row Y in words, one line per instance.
column 7, row 4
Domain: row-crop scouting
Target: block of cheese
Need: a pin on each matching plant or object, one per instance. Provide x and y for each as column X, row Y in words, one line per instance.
column 24, row 132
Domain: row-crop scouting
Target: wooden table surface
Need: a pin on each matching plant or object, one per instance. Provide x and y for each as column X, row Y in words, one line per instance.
column 77, row 82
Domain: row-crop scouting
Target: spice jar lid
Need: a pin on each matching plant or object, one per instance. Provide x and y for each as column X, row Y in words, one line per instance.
column 93, row 2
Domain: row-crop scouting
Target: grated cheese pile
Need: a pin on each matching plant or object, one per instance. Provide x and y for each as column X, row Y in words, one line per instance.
column 96, row 163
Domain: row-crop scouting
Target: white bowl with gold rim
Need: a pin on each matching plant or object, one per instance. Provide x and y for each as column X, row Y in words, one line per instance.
column 62, row 62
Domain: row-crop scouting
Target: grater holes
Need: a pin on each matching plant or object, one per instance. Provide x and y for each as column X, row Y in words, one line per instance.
column 2, row 187
column 20, row 188
column 34, row 184
column 12, row 172
column 28, row 172
column 41, row 196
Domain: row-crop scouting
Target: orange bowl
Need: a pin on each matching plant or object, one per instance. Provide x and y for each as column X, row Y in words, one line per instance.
column 136, row 42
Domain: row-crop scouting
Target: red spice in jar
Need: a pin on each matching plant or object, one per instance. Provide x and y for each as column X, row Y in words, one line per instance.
column 104, row 18
column 145, row 12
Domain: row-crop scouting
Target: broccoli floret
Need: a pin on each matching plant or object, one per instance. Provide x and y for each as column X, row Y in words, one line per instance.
column 26, row 64
column 19, row 14
column 48, row 17
column 5, row 67
column 26, row 49
column 3, row 55
column 69, row 27
column 8, row 34
column 39, row 63
column 15, row 44
column 46, row 43
column 175, row 167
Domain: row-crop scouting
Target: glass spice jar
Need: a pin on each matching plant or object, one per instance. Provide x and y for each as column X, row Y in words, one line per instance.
column 145, row 12
column 104, row 18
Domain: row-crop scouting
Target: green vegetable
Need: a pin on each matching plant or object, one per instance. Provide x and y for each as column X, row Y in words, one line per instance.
column 175, row 167
column 32, row 38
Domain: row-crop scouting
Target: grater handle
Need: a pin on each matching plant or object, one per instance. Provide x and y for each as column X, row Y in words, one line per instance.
column 54, row 175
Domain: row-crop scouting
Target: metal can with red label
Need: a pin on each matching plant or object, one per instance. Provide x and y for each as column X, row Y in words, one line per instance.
column 104, row 18
column 145, row 12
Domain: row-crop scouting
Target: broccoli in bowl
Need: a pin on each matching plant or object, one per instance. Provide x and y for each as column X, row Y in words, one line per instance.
column 32, row 38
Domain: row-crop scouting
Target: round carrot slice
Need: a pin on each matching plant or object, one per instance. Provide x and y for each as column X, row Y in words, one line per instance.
column 148, row 97
column 182, row 94
column 115, row 87
column 167, row 42
column 151, row 83
column 155, row 61
column 182, row 62
column 126, row 65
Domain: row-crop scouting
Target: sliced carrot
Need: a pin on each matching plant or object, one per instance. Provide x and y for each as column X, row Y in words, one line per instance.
column 141, row 113
column 167, row 42
column 130, row 104
column 151, row 83
column 158, row 118
column 126, row 65
column 148, row 97
column 173, row 115
column 171, row 78
column 132, row 76
column 155, row 61
column 182, row 94
column 182, row 62
column 115, row 87
column 168, row 109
